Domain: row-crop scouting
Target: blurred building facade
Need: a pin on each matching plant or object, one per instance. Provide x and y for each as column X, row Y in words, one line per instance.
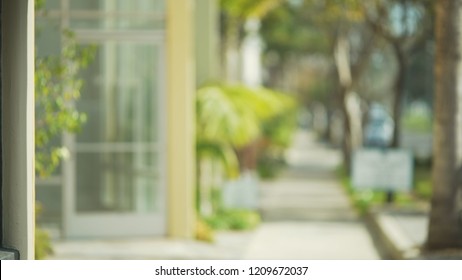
column 131, row 169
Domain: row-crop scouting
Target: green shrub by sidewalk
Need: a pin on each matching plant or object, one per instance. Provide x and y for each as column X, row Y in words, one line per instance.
column 43, row 246
column 235, row 219
column 269, row 167
column 364, row 200
column 423, row 182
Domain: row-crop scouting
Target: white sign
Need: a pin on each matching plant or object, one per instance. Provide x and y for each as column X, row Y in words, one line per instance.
column 382, row 169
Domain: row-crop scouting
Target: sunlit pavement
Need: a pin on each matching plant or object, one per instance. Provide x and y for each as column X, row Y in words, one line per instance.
column 306, row 216
column 306, row 213
column 228, row 245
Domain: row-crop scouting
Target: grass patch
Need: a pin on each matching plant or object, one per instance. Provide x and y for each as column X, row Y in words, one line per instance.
column 417, row 123
column 423, row 182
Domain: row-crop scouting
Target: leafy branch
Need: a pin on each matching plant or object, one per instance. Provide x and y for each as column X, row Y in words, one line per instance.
column 57, row 87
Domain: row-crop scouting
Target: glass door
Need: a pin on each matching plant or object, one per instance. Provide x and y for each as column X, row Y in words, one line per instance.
column 114, row 180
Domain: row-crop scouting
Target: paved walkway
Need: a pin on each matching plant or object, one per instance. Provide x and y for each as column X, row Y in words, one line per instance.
column 306, row 213
column 227, row 245
column 306, row 216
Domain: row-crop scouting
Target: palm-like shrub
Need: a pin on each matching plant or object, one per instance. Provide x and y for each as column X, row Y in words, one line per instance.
column 236, row 115
column 233, row 117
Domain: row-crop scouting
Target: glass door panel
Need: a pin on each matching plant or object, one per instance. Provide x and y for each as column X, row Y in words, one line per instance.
column 118, row 164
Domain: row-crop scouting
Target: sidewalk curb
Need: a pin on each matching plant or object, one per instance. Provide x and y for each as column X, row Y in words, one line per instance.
column 391, row 242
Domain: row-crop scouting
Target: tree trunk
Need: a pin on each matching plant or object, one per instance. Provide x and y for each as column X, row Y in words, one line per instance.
column 346, row 143
column 342, row 61
column 445, row 228
column 399, row 85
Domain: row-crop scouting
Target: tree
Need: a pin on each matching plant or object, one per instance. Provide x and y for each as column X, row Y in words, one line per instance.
column 291, row 36
column 445, row 228
column 405, row 25
column 351, row 46
column 236, row 13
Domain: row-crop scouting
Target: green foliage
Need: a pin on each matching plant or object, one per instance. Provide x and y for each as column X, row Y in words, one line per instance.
column 335, row 11
column 235, row 114
column 417, row 122
column 364, row 200
column 230, row 219
column 280, row 129
column 290, row 29
column 57, row 87
column 230, row 117
column 224, row 117
column 278, row 133
column 269, row 165
column 221, row 152
column 42, row 239
column 43, row 246
column 234, row 219
column 244, row 9
column 423, row 182
column 39, row 4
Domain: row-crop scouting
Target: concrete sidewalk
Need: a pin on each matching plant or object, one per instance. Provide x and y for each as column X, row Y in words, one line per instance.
column 306, row 213
column 228, row 245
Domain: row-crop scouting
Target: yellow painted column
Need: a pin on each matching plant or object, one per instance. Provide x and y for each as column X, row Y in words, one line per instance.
column 181, row 118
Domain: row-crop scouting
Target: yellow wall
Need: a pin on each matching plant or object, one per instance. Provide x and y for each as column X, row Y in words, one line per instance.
column 180, row 107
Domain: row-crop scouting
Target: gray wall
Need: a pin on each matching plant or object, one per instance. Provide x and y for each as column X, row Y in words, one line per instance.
column 18, row 125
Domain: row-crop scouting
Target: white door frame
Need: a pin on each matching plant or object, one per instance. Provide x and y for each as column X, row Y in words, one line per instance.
column 119, row 224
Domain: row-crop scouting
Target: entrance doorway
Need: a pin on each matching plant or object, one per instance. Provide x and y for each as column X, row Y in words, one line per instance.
column 114, row 184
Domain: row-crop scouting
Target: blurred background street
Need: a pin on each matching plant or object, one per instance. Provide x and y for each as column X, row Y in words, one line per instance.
column 242, row 129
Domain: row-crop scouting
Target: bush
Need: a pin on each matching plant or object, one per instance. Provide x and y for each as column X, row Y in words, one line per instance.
column 269, row 166
column 417, row 121
column 42, row 239
column 43, row 246
column 423, row 182
column 363, row 200
column 236, row 219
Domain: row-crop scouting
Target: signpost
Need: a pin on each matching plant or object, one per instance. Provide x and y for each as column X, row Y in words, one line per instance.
column 390, row 170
